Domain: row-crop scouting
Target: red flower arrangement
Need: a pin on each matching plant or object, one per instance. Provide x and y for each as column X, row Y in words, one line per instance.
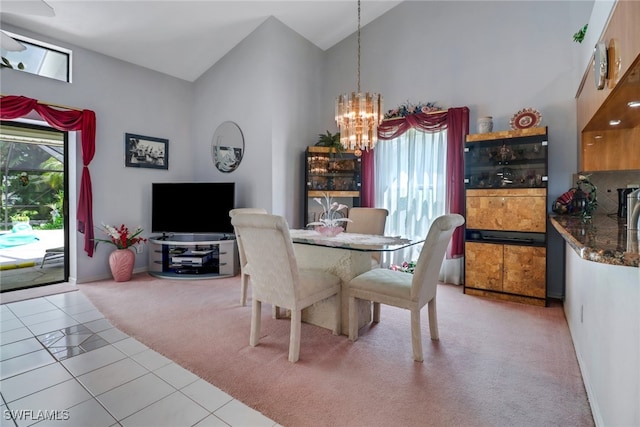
column 121, row 237
column 406, row 267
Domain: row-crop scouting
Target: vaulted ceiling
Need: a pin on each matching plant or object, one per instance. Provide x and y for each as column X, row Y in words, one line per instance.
column 185, row 38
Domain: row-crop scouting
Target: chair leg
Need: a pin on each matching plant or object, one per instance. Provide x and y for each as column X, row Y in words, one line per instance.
column 255, row 322
column 294, row 339
column 376, row 312
column 433, row 319
column 337, row 329
column 416, row 335
column 353, row 319
column 244, row 283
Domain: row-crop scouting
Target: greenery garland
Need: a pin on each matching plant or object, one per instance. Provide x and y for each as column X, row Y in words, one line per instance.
column 408, row 108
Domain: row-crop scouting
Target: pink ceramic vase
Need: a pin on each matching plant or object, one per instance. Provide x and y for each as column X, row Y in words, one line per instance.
column 121, row 262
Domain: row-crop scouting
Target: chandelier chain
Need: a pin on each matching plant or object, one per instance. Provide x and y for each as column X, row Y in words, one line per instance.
column 358, row 46
column 358, row 114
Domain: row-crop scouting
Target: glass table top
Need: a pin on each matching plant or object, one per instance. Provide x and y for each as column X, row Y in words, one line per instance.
column 352, row 241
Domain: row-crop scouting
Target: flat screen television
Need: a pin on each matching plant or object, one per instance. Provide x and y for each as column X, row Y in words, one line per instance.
column 192, row 207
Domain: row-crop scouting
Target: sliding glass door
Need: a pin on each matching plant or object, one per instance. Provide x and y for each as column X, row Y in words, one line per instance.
column 33, row 205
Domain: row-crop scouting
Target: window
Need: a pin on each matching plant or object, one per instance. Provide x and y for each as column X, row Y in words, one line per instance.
column 39, row 58
column 410, row 183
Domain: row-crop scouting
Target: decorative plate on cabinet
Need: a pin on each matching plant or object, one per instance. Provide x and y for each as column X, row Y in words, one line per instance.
column 525, row 118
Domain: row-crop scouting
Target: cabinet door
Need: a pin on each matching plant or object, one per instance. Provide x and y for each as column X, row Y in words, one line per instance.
column 483, row 266
column 510, row 211
column 485, row 213
column 525, row 270
column 525, row 214
column 611, row 150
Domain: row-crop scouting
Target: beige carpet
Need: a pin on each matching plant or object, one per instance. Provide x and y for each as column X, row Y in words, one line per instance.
column 496, row 364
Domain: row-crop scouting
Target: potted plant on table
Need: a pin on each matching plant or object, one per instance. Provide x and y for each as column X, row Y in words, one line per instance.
column 121, row 260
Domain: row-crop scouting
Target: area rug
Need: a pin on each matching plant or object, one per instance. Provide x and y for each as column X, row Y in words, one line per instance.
column 496, row 363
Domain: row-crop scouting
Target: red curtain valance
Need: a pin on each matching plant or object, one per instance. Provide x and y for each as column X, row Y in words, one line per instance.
column 13, row 107
column 427, row 122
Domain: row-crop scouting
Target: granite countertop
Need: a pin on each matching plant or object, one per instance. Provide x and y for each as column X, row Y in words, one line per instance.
column 603, row 238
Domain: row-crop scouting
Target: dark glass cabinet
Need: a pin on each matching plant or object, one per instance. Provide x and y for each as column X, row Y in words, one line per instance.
column 511, row 159
column 327, row 173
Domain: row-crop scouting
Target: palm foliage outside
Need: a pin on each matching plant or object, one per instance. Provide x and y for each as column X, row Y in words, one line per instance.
column 32, row 185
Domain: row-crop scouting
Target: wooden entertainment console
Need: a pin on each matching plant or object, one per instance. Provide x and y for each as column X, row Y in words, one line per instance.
column 193, row 256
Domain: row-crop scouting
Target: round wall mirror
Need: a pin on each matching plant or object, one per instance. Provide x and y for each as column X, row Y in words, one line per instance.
column 227, row 147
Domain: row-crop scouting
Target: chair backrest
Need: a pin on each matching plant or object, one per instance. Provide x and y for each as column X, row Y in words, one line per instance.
column 367, row 220
column 425, row 275
column 269, row 250
column 234, row 212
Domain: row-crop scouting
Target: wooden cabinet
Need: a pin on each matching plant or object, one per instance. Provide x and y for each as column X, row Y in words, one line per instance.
column 611, row 150
column 484, row 265
column 515, row 209
column 336, row 175
column 505, row 244
column 525, row 270
column 603, row 146
column 515, row 270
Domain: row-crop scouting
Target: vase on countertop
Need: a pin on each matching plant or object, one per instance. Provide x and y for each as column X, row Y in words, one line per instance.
column 121, row 262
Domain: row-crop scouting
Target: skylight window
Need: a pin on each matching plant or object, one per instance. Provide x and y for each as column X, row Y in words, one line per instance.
column 42, row 59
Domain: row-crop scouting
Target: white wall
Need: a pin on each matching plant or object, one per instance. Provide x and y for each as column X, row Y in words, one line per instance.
column 125, row 98
column 603, row 312
column 236, row 89
column 297, row 68
column 598, row 21
column 268, row 85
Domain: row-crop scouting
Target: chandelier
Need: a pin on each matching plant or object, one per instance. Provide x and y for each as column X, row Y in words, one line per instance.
column 358, row 115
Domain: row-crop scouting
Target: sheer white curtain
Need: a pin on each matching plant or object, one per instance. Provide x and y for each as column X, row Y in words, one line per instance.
column 410, row 181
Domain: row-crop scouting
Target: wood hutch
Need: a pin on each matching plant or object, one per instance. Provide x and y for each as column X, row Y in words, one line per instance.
column 506, row 215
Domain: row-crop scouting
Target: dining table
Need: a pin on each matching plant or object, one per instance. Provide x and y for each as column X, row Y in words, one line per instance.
column 345, row 255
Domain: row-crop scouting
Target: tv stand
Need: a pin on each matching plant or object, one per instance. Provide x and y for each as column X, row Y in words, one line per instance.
column 193, row 256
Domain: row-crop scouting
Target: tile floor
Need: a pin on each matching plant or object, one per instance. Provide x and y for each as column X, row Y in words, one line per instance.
column 62, row 363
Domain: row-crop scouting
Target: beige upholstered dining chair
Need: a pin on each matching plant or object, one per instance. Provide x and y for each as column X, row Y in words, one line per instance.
column 276, row 278
column 405, row 290
column 368, row 221
column 244, row 271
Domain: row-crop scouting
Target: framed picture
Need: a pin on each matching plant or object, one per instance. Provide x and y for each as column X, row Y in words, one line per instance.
column 146, row 152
